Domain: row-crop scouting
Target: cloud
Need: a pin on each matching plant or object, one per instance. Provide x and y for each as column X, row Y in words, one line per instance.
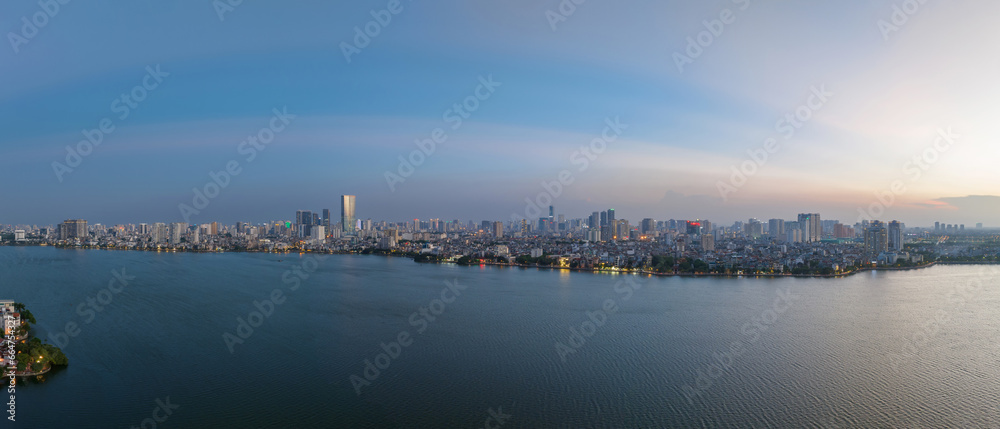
column 978, row 205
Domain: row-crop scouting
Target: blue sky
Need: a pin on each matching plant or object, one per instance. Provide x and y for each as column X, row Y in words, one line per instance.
column 892, row 92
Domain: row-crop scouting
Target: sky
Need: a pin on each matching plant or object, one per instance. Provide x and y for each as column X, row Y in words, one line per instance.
column 720, row 110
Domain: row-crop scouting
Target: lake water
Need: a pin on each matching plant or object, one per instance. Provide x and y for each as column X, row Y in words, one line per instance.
column 906, row 349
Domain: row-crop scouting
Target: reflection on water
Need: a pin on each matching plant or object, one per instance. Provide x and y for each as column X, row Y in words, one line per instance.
column 830, row 359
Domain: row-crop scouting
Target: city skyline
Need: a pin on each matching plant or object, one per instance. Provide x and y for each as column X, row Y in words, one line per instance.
column 599, row 218
column 674, row 132
column 632, row 213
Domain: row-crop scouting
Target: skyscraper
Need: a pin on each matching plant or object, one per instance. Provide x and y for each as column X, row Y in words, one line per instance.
column 876, row 239
column 895, row 236
column 776, row 228
column 160, row 232
column 595, row 221
column 347, row 214
column 73, row 228
column 812, row 227
column 177, row 230
column 648, row 225
column 326, row 219
column 708, row 242
column 303, row 223
column 604, row 219
column 754, row 228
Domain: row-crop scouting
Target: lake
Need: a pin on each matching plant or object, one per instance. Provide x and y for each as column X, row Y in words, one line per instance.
column 302, row 341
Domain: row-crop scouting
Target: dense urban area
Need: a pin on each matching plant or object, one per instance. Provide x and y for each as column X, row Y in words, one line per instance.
column 807, row 245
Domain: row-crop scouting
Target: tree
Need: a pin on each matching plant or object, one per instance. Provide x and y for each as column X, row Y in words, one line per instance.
column 27, row 316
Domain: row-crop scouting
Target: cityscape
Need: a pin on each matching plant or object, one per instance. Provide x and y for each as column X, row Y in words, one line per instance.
column 500, row 214
column 807, row 245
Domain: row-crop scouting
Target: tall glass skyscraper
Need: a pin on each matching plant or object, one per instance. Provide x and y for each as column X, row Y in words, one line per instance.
column 347, row 214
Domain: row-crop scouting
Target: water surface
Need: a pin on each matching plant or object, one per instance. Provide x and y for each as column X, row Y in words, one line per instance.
column 884, row 349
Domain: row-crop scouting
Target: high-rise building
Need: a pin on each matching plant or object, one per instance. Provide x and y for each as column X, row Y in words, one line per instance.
column 303, row 217
column 708, row 242
column 979, row 226
column 73, row 228
column 318, row 234
column 176, row 231
column 611, row 215
column 595, row 221
column 842, row 231
column 937, row 226
column 604, row 219
column 648, row 225
column 693, row 228
column 812, row 227
column 347, row 214
column 895, row 237
column 552, row 212
column 876, row 239
column 624, row 229
column 326, row 218
column 776, row 228
column 754, row 229
column 303, row 223
column 498, row 229
column 160, row 232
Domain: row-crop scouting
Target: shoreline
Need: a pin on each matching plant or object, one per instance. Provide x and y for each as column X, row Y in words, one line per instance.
column 719, row 275
column 585, row 270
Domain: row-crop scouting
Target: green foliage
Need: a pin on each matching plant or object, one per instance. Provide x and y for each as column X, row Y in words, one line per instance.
column 38, row 355
column 663, row 263
column 425, row 257
column 543, row 260
column 27, row 316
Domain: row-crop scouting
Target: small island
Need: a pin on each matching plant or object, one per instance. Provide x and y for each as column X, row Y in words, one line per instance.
column 22, row 355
